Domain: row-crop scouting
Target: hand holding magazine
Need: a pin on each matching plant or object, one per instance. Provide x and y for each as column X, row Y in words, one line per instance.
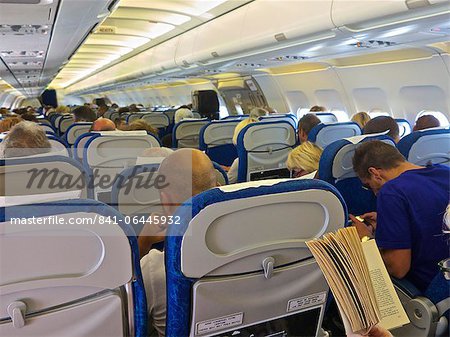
column 359, row 281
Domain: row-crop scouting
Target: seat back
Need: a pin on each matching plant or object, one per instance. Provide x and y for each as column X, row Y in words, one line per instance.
column 216, row 139
column 135, row 190
column 404, row 127
column 240, row 117
column 187, row 133
column 263, row 149
column 80, row 142
column 47, row 128
column 231, row 247
column 75, row 130
column 114, row 115
column 108, row 153
column 291, row 119
column 327, row 117
column 96, row 291
column 134, row 116
column 336, row 168
column 157, row 120
column 58, row 146
column 324, row 134
column 426, row 146
column 64, row 123
column 222, row 176
column 42, row 175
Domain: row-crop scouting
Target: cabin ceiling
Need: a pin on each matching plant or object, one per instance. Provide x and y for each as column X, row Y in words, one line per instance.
column 37, row 37
column 137, row 25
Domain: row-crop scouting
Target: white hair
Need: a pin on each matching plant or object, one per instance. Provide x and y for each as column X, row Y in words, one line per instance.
column 183, row 113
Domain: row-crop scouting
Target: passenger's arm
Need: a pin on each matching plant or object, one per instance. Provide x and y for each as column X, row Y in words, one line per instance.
column 397, row 261
column 152, row 232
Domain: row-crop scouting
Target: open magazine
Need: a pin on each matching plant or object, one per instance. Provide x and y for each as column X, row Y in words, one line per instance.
column 359, row 280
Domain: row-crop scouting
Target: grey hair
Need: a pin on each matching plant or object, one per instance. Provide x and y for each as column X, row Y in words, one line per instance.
column 25, row 139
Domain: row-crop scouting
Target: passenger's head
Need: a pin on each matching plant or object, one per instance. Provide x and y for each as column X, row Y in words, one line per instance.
column 304, row 159
column 187, row 172
column 101, row 110
column 62, row 110
column 255, row 113
column 120, row 123
column 305, row 125
column 183, row 113
column 29, row 117
column 318, row 108
column 239, row 127
column 361, row 118
column 426, row 122
column 84, row 114
column 381, row 124
column 103, row 124
column 372, row 162
column 140, row 124
column 123, row 110
column 8, row 123
column 25, row 139
column 270, row 110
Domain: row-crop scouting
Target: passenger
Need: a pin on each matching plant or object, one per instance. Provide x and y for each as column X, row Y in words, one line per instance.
column 114, row 106
column 4, row 112
column 102, row 109
column 305, row 125
column 124, row 110
column 29, row 117
column 411, row 200
column 103, row 124
column 25, row 139
column 317, row 108
column 426, row 122
column 381, row 124
column 187, row 172
column 62, row 110
column 7, row 123
column 254, row 116
column 120, row 123
column 270, row 110
column 157, row 152
column 304, row 159
column 84, row 114
column 140, row 124
column 183, row 113
column 361, row 118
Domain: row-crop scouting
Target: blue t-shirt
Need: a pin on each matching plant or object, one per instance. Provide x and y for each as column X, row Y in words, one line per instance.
column 410, row 216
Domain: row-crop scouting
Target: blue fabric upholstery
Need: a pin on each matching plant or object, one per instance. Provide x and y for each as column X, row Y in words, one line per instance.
column 222, row 171
column 179, row 286
column 223, row 154
column 405, row 144
column 358, row 199
column 91, row 206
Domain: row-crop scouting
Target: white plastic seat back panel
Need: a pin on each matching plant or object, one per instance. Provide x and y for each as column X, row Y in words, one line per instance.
column 157, row 120
column 109, row 155
column 64, row 124
column 48, row 264
column 327, row 118
column 268, row 146
column 187, row 133
column 431, row 148
column 404, row 128
column 219, row 133
column 226, row 247
column 47, row 128
column 291, row 119
column 36, row 178
column 139, row 199
column 333, row 132
column 57, row 149
column 76, row 131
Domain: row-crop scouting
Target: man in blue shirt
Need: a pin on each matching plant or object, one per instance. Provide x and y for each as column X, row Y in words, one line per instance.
column 411, row 201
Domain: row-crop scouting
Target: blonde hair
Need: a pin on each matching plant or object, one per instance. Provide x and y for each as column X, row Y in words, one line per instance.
column 255, row 113
column 361, row 118
column 62, row 109
column 306, row 156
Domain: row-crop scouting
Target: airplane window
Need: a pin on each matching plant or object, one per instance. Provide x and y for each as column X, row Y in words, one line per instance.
column 439, row 115
column 223, row 111
column 376, row 113
column 301, row 112
column 342, row 116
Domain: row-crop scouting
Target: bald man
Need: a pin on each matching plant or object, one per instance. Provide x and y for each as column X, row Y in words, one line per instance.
column 103, row 124
column 187, row 172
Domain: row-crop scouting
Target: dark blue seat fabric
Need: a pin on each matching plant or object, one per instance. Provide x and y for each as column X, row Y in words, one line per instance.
column 340, row 174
